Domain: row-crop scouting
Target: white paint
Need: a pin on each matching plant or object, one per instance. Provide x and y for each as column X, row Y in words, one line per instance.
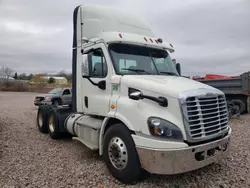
column 103, row 26
column 132, row 38
column 98, row 99
column 151, row 143
column 167, row 85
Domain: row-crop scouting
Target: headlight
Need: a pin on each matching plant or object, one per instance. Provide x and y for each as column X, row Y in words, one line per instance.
column 163, row 128
column 47, row 98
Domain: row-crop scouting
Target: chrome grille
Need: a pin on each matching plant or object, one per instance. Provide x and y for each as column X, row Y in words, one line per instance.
column 206, row 116
column 39, row 98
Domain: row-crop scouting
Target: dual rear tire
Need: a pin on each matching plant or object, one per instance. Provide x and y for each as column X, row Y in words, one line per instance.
column 53, row 125
column 48, row 121
column 42, row 119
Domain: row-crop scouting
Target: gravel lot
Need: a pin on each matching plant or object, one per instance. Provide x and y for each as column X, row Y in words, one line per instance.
column 31, row 159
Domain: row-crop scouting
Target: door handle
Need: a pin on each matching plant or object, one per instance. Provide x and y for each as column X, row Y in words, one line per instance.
column 86, row 101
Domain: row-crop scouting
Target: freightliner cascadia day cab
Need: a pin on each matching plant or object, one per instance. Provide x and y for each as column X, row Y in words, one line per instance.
column 130, row 103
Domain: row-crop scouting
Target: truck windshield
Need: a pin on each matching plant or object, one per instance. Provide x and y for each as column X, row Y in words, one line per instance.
column 57, row 91
column 134, row 59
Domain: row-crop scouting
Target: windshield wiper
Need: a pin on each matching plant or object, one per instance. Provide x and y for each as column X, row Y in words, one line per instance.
column 169, row 73
column 136, row 70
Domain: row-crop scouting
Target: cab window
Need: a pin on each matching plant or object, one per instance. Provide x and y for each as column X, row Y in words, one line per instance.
column 66, row 92
column 97, row 64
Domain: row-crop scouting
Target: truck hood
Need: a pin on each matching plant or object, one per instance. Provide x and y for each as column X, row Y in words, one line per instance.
column 47, row 95
column 162, row 84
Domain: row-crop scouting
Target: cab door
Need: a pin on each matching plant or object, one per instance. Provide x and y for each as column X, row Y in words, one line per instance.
column 96, row 99
column 66, row 96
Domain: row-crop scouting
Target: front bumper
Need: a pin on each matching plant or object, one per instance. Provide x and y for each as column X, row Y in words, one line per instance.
column 175, row 161
column 37, row 103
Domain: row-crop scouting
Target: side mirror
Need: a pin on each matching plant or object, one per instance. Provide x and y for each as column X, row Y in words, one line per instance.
column 85, row 66
column 137, row 95
column 178, row 68
column 102, row 84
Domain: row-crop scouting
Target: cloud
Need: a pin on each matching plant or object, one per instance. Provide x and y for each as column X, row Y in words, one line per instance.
column 209, row 36
column 29, row 28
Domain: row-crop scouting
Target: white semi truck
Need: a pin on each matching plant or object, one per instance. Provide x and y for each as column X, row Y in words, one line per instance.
column 130, row 102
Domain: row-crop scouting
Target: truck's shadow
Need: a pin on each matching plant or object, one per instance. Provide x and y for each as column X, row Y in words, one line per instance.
column 152, row 178
column 214, row 168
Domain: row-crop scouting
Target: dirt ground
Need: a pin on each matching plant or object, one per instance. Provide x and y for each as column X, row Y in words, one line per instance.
column 29, row 158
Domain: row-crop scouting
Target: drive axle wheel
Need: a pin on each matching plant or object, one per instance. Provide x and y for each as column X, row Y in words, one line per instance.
column 120, row 154
column 53, row 125
column 42, row 119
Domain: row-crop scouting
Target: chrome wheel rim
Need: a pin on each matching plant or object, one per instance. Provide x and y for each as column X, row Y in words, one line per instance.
column 51, row 123
column 40, row 119
column 118, row 154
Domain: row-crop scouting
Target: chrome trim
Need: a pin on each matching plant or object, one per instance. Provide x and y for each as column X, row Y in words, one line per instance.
column 206, row 127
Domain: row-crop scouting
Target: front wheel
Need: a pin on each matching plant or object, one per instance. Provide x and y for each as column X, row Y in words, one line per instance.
column 120, row 154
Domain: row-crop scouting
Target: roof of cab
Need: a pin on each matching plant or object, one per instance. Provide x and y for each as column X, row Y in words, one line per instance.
column 105, row 22
column 114, row 37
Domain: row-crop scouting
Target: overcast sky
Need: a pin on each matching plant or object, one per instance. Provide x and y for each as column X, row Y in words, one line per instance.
column 209, row 36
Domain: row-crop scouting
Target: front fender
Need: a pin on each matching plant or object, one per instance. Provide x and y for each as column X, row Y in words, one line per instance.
column 101, row 135
column 103, row 127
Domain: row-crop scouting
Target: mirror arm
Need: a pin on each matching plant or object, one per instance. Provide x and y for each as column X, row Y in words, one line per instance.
column 91, row 81
column 162, row 101
column 95, row 84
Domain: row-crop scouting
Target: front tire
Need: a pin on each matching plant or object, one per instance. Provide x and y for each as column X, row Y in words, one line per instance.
column 120, row 154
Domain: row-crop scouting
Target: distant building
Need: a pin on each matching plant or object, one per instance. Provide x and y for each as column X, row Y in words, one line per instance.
column 58, row 79
column 4, row 79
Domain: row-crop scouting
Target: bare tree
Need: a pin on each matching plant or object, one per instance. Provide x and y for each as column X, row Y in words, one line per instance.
column 62, row 73
column 5, row 73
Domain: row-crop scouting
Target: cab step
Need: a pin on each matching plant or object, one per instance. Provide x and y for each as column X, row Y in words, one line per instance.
column 88, row 130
